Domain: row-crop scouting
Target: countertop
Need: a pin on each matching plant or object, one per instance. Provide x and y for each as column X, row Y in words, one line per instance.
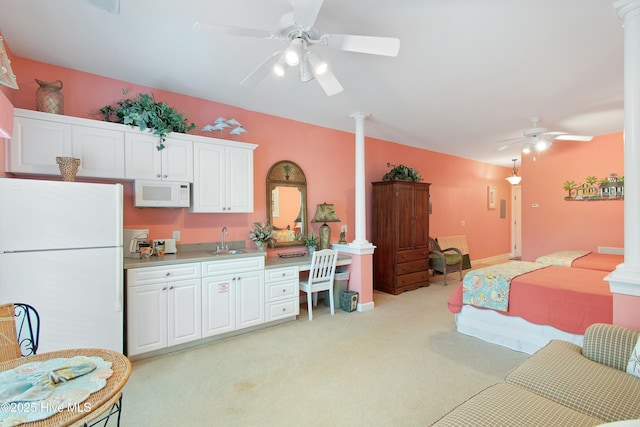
column 187, row 256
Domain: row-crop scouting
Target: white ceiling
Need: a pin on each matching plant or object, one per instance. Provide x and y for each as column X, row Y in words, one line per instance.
column 469, row 72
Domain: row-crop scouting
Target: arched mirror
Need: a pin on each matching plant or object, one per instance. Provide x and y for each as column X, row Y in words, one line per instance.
column 287, row 203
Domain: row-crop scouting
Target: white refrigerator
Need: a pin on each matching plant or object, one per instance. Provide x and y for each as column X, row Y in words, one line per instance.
column 61, row 252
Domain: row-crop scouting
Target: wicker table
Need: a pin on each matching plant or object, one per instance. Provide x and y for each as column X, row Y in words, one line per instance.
column 101, row 403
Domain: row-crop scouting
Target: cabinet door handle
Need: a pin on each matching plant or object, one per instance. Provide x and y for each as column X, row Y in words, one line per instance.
column 165, row 176
column 170, row 287
column 158, row 176
column 164, row 289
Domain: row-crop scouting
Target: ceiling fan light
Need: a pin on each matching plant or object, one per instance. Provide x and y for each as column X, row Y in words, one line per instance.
column 526, row 149
column 294, row 52
column 305, row 72
column 319, row 66
column 279, row 67
column 541, row 146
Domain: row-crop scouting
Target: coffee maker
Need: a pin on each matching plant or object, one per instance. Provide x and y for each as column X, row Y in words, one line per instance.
column 133, row 239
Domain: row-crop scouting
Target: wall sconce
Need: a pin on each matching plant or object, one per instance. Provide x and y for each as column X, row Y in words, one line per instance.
column 514, row 179
column 325, row 212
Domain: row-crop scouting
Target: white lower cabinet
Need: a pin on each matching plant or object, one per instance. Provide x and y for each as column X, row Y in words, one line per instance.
column 179, row 303
column 164, row 307
column 232, row 295
column 281, row 293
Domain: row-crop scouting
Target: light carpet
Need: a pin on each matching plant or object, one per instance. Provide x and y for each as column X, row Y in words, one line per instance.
column 401, row 364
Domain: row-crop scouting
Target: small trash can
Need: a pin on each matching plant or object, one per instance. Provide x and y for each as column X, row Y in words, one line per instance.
column 349, row 301
column 340, row 285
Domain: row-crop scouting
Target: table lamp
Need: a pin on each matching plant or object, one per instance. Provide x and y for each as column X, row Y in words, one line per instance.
column 325, row 213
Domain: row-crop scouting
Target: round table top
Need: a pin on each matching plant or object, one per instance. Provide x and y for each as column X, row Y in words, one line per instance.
column 120, row 365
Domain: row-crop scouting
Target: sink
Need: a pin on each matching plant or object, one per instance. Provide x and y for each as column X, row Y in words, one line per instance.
column 229, row 252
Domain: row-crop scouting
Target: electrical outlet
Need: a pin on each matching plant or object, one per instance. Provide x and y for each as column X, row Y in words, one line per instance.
column 176, row 236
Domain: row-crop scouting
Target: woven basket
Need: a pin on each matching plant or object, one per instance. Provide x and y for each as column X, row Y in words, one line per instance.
column 68, row 167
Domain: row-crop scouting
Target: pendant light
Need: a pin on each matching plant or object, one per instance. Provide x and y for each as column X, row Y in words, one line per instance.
column 514, row 179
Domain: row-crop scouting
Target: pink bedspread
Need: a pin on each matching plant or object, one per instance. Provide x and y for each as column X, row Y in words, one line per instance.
column 596, row 261
column 569, row 299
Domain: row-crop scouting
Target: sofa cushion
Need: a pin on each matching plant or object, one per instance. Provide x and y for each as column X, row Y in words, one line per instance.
column 510, row 405
column 561, row 373
column 609, row 344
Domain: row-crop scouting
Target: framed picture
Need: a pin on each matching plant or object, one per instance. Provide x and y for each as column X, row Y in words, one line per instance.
column 491, row 196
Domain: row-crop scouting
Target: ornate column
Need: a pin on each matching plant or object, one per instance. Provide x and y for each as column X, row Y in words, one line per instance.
column 625, row 280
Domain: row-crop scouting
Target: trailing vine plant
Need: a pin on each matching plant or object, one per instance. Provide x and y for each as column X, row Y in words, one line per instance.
column 143, row 111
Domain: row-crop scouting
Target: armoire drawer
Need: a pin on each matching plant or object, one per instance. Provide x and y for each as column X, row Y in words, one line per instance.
column 412, row 255
column 413, row 266
column 410, row 279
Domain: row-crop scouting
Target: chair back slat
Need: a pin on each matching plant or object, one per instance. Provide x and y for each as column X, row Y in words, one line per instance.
column 323, row 266
column 9, row 346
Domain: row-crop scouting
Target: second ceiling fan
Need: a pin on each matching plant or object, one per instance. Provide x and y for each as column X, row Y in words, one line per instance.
column 296, row 30
column 538, row 139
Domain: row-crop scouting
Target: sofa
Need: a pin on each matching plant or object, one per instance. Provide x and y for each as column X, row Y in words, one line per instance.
column 562, row 384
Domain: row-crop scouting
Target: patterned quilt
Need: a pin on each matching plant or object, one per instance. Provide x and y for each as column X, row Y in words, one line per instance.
column 489, row 287
column 562, row 258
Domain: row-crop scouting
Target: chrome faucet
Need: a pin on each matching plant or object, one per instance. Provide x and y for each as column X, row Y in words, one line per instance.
column 224, row 231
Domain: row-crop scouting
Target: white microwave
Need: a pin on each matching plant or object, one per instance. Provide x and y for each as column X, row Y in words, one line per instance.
column 161, row 194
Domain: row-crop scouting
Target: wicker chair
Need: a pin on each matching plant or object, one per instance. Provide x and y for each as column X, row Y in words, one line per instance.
column 20, row 341
column 444, row 260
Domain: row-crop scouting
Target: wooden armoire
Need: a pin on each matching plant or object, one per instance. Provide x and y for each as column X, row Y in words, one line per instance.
column 400, row 232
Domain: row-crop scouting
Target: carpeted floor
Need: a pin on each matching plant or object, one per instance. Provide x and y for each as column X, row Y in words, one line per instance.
column 402, row 364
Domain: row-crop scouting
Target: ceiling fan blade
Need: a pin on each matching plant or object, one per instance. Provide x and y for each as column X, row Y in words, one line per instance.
column 387, row 46
column 200, row 27
column 262, row 70
column 305, row 12
column 580, row 138
column 329, row 83
column 511, row 140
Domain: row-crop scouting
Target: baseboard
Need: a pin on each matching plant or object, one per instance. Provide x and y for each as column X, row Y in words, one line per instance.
column 493, row 259
column 366, row 306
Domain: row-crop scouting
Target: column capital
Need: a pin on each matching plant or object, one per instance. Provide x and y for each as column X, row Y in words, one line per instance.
column 627, row 8
column 359, row 115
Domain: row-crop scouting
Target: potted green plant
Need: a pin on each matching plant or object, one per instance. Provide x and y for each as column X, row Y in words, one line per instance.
column 262, row 235
column 311, row 242
column 143, row 111
column 402, row 173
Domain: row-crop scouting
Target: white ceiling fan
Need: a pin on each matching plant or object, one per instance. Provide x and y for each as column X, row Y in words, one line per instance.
column 538, row 139
column 296, row 30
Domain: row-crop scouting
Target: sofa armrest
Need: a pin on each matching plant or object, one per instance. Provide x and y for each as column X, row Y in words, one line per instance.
column 610, row 345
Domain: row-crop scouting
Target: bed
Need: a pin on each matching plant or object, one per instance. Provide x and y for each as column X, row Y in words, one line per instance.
column 583, row 259
column 549, row 302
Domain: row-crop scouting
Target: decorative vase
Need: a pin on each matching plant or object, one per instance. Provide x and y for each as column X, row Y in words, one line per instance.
column 262, row 247
column 49, row 98
column 311, row 249
column 68, row 167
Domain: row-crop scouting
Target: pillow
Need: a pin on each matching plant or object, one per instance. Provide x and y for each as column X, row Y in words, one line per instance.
column 633, row 367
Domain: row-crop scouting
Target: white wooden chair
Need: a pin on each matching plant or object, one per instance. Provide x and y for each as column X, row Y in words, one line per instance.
column 321, row 275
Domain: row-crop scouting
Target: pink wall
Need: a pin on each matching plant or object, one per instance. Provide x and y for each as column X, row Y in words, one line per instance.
column 557, row 224
column 458, row 185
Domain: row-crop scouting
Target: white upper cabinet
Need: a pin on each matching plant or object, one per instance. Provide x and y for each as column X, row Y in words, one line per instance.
column 144, row 161
column 36, row 144
column 223, row 177
column 101, row 152
column 38, row 138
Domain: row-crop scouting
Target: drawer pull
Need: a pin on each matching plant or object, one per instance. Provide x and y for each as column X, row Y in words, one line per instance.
column 164, row 289
column 168, row 274
column 170, row 287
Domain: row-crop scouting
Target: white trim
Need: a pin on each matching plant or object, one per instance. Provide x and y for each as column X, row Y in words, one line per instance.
column 350, row 248
column 625, row 279
column 366, row 306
